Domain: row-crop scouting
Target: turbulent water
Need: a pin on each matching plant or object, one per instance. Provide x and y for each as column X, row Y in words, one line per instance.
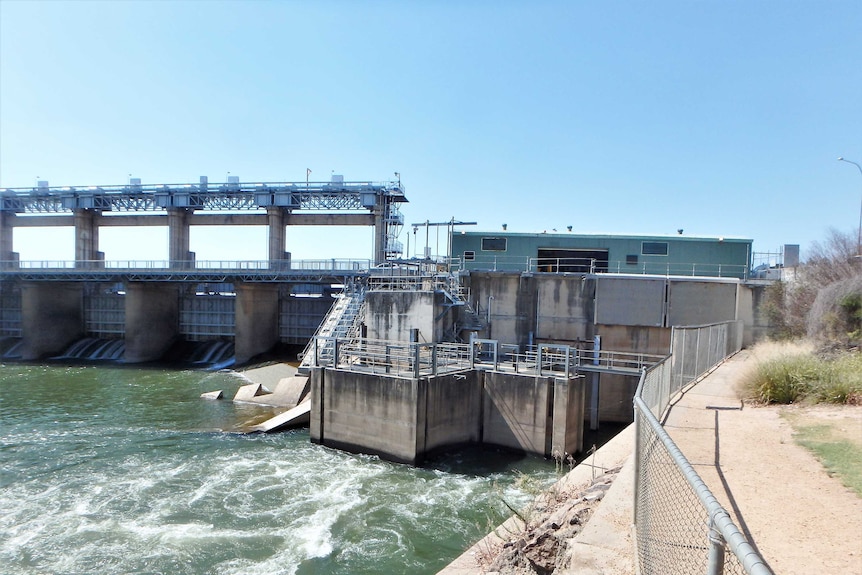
column 112, row 470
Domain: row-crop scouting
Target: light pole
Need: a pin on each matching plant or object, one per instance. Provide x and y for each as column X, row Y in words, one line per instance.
column 859, row 237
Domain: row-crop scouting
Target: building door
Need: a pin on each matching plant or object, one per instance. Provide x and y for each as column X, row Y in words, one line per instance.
column 556, row 260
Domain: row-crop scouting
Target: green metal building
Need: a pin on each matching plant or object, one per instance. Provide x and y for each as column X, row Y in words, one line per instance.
column 581, row 253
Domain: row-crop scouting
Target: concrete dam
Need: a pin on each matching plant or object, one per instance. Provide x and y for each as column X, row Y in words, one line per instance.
column 409, row 371
column 403, row 357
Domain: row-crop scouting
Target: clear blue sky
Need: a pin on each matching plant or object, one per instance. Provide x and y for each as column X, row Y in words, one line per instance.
column 724, row 118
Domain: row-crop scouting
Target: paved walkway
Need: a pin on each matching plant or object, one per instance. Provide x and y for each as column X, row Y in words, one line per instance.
column 800, row 519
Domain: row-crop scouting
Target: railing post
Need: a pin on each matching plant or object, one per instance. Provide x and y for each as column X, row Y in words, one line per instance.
column 335, row 351
column 415, row 360
column 539, row 359
column 433, row 359
column 716, row 550
column 387, row 359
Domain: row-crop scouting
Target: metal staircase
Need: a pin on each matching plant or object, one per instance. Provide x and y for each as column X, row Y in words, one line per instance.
column 342, row 321
column 459, row 297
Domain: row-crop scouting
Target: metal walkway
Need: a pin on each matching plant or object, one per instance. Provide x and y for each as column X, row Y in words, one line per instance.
column 231, row 195
column 312, row 271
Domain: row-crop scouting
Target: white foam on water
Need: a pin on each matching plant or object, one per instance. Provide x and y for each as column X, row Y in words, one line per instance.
column 103, row 498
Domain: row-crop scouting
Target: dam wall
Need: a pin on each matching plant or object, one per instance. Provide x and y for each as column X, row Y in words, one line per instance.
column 626, row 313
column 152, row 316
column 536, row 414
column 406, row 419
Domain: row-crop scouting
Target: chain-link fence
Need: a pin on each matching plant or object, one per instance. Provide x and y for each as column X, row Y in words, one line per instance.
column 680, row 526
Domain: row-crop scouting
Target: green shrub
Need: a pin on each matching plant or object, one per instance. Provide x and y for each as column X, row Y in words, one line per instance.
column 784, row 379
column 803, row 376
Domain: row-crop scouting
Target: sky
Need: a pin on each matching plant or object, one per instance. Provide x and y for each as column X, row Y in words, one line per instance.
column 721, row 118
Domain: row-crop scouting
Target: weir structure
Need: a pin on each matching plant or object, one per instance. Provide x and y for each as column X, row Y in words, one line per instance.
column 150, row 305
column 520, row 360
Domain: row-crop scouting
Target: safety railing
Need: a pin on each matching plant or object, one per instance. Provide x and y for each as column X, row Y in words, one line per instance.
column 398, row 359
column 595, row 266
column 132, row 265
column 680, row 525
column 556, row 360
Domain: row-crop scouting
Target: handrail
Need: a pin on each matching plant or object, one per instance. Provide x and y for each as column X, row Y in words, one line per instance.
column 526, row 264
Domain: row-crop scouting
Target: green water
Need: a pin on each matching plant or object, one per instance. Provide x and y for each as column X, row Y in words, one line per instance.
column 113, row 470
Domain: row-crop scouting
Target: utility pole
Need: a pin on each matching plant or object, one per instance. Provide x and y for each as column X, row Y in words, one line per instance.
column 859, row 236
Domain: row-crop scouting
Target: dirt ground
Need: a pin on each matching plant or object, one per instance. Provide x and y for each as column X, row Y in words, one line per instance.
column 801, row 520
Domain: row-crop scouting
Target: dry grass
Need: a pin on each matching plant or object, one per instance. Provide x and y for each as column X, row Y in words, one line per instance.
column 793, row 372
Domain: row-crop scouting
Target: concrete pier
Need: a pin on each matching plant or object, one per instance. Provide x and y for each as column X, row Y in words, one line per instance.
column 86, row 237
column 256, row 319
column 7, row 254
column 276, row 218
column 52, row 317
column 152, row 326
column 179, row 236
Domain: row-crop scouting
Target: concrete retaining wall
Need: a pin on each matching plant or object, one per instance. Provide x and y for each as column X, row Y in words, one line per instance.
column 518, row 412
column 393, row 314
column 452, row 402
column 565, row 308
column 398, row 419
column 405, row 420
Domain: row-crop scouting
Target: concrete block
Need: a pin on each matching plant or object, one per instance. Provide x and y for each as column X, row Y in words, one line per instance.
column 247, row 392
column 292, row 390
column 299, row 415
column 212, row 395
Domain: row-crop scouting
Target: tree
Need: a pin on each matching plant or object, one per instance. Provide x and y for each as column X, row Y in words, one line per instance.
column 823, row 299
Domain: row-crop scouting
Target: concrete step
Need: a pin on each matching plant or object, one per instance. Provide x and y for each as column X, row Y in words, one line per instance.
column 299, row 415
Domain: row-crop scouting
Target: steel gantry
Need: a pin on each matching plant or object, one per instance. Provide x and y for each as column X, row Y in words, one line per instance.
column 319, row 203
column 336, row 195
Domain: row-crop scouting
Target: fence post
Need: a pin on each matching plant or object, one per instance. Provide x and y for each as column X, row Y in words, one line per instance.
column 433, row 359
column 716, row 550
column 415, row 360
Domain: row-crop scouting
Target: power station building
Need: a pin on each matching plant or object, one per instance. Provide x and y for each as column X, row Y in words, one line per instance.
column 582, row 253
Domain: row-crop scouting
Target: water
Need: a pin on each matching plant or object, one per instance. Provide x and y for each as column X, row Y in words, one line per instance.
column 116, row 470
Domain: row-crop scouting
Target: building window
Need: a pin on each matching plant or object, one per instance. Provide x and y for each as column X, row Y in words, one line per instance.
column 654, row 248
column 493, row 244
column 632, row 259
column 469, row 256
